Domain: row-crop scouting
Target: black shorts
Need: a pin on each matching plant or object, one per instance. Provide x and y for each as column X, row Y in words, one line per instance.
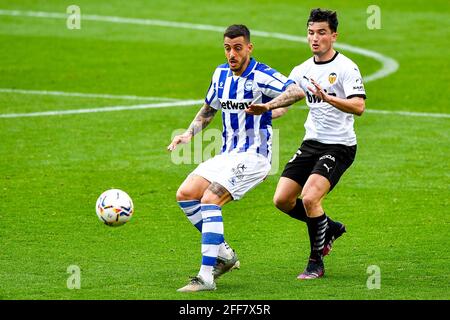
column 328, row 160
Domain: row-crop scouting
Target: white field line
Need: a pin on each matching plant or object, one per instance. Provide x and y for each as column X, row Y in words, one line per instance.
column 389, row 65
column 103, row 109
column 84, row 95
column 194, row 102
column 400, row 113
column 410, row 113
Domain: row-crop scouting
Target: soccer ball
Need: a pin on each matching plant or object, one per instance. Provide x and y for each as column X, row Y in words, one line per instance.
column 114, row 207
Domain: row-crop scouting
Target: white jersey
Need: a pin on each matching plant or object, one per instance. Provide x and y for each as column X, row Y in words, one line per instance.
column 243, row 132
column 339, row 77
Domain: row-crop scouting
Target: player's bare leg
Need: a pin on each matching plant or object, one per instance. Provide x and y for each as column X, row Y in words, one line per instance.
column 286, row 194
column 216, row 194
column 315, row 189
column 192, row 188
column 287, row 199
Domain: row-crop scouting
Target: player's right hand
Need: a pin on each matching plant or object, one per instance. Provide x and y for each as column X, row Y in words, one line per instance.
column 257, row 108
column 182, row 138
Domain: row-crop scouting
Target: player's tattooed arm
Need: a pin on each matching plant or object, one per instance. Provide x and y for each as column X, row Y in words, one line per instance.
column 202, row 119
column 291, row 95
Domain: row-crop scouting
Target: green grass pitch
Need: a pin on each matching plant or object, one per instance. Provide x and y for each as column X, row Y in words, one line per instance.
column 394, row 199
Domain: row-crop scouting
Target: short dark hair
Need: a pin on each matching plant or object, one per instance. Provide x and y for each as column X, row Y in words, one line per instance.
column 319, row 15
column 237, row 30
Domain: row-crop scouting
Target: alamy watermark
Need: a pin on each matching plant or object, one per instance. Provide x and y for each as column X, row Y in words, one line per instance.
column 208, row 143
column 374, row 279
column 74, row 280
column 74, row 17
column 374, row 19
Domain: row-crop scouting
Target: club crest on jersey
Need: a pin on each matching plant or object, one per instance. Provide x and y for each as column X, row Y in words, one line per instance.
column 332, row 77
column 248, row 85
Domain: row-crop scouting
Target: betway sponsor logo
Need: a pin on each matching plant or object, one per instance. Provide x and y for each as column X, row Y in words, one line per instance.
column 231, row 105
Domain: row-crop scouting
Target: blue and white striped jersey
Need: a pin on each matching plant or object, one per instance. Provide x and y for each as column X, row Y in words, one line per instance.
column 243, row 132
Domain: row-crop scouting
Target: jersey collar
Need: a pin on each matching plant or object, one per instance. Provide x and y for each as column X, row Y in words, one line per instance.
column 325, row 62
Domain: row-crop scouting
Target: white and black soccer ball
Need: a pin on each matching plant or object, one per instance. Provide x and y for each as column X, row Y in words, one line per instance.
column 114, row 207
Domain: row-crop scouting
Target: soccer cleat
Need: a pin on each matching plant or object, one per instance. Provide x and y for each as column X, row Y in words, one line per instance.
column 224, row 265
column 314, row 269
column 330, row 237
column 198, row 284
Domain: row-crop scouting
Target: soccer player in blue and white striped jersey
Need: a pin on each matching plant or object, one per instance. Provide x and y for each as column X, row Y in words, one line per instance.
column 245, row 158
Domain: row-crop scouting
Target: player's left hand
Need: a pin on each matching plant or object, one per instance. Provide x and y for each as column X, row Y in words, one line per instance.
column 318, row 91
column 182, row 138
column 257, row 108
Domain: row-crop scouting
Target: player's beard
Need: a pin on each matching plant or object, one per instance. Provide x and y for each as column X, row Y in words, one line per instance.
column 239, row 66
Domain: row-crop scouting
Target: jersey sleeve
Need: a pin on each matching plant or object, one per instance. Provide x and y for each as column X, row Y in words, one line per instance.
column 270, row 82
column 352, row 83
column 211, row 98
column 296, row 76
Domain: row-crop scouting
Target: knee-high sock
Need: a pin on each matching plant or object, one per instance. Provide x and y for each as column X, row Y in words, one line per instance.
column 191, row 209
column 212, row 237
column 298, row 212
column 317, row 227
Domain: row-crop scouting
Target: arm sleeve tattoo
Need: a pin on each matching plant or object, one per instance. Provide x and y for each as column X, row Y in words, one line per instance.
column 292, row 94
column 202, row 119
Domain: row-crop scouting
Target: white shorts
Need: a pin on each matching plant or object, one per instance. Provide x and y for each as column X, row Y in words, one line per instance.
column 237, row 172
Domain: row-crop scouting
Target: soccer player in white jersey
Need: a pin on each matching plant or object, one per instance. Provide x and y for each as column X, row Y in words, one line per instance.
column 335, row 93
column 245, row 158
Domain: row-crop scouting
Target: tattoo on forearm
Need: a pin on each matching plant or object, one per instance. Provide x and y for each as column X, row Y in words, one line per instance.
column 202, row 119
column 217, row 189
column 292, row 94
